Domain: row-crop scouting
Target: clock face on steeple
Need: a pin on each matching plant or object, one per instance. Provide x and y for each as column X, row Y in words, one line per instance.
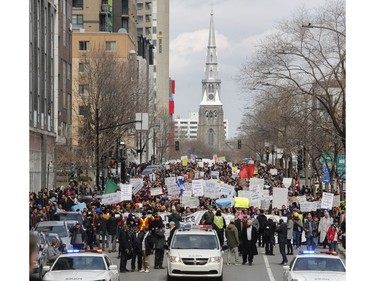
column 211, row 96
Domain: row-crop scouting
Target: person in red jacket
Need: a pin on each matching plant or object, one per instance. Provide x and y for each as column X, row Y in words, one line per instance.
column 333, row 233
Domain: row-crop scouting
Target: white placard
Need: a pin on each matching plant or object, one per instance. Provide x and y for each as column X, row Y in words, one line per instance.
column 188, row 193
column 273, row 172
column 210, row 190
column 244, row 193
column 170, row 180
column 156, row 191
column 197, row 186
column 111, row 198
column 301, row 199
column 265, row 194
column 126, row 192
column 188, row 187
column 226, row 189
column 255, row 193
column 306, row 207
column 336, row 201
column 256, row 181
column 188, row 201
column 173, row 189
column 280, row 197
column 287, row 182
column 137, row 184
column 327, row 200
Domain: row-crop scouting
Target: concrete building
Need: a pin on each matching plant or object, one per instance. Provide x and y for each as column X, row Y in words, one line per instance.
column 187, row 128
column 50, row 87
column 211, row 132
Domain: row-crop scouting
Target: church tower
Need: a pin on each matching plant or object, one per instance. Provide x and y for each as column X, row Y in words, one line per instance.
column 211, row 131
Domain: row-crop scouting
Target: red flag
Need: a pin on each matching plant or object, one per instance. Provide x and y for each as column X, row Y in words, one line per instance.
column 247, row 171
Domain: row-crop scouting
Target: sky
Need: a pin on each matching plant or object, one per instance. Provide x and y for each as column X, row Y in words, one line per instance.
column 238, row 25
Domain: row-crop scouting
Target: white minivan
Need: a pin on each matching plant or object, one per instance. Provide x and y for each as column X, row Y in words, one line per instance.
column 195, row 252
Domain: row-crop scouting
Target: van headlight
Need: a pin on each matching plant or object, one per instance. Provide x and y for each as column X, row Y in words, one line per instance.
column 215, row 259
column 174, row 259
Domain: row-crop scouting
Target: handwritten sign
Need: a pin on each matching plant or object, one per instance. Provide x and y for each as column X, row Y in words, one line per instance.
column 137, row 184
column 126, row 192
column 111, row 198
column 327, row 200
column 280, row 197
column 197, row 187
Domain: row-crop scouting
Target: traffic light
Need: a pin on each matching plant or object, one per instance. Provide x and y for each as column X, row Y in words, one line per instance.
column 239, row 144
column 177, row 145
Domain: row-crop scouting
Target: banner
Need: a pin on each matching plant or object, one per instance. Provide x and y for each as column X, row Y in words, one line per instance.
column 111, row 198
column 224, row 202
column 126, row 192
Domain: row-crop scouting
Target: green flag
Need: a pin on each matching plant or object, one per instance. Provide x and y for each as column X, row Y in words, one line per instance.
column 110, row 187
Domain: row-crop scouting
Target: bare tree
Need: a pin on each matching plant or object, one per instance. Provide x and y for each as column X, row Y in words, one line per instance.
column 303, row 63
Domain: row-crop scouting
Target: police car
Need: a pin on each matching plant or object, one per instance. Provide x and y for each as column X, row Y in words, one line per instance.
column 195, row 252
column 311, row 265
column 81, row 265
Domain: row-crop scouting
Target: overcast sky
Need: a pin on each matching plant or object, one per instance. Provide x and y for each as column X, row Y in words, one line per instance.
column 238, row 24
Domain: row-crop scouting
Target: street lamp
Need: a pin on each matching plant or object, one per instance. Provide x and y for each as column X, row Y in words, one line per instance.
column 122, row 150
column 309, row 25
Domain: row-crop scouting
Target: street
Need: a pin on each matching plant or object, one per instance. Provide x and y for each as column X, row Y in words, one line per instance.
column 264, row 268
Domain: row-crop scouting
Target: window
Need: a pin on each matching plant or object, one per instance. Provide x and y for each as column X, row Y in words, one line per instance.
column 140, row 6
column 125, row 23
column 78, row 4
column 210, row 137
column 77, row 21
column 83, row 67
column 139, row 19
column 110, row 46
column 84, row 45
column 83, row 89
column 83, row 110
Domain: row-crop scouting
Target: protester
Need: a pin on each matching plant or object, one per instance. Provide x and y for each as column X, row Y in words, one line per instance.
column 282, row 234
column 333, row 233
column 269, row 236
column 219, row 225
column 325, row 222
column 147, row 247
column 233, row 241
column 311, row 232
column 249, row 237
column 125, row 247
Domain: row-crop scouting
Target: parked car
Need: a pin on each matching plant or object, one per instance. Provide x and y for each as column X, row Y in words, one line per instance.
column 42, row 258
column 60, row 243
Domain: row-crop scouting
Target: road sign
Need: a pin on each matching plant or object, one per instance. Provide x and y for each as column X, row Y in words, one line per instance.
column 326, row 177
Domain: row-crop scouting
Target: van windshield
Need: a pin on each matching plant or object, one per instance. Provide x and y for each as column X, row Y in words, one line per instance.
column 195, row 241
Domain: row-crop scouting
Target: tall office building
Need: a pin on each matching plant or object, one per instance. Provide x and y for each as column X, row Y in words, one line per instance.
column 211, row 131
column 50, row 87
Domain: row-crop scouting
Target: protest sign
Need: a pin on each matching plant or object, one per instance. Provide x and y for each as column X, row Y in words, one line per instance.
column 287, row 182
column 111, row 198
column 256, row 181
column 301, row 199
column 327, row 200
column 280, row 197
column 173, row 189
column 137, row 184
column 156, row 191
column 241, row 202
column 188, row 201
column 126, row 192
column 210, row 190
column 226, row 189
column 197, row 187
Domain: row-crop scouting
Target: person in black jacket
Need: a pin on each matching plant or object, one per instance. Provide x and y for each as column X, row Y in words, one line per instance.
column 249, row 237
column 101, row 231
column 137, row 248
column 282, row 231
column 78, row 239
column 112, row 224
column 262, row 219
column 159, row 240
column 125, row 247
column 269, row 236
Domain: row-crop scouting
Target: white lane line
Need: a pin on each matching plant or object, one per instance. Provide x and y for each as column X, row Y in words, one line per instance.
column 269, row 271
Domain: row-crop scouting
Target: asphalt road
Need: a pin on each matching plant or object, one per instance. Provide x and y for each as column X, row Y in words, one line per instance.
column 264, row 268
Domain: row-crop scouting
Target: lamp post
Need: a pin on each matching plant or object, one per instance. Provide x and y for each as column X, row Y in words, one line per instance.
column 122, row 149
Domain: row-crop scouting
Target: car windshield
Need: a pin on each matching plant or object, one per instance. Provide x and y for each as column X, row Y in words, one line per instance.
column 59, row 229
column 79, row 263
column 318, row 264
column 195, row 241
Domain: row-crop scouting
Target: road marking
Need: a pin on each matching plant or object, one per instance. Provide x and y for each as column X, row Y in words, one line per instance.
column 269, row 271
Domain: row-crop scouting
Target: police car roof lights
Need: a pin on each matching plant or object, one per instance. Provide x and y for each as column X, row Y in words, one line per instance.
column 74, row 251
column 306, row 252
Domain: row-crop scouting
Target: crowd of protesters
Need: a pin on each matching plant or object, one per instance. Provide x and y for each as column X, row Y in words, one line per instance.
column 136, row 230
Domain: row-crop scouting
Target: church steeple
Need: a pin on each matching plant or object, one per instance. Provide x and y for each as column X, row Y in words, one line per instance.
column 211, row 83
